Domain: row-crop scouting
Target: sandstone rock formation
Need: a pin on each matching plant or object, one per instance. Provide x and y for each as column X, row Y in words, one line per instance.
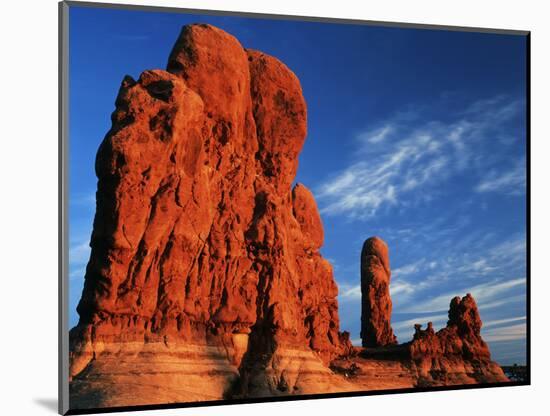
column 376, row 302
column 205, row 279
column 455, row 354
column 200, row 248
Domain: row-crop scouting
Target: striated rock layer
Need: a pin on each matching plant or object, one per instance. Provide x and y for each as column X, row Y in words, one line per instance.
column 376, row 305
column 205, row 279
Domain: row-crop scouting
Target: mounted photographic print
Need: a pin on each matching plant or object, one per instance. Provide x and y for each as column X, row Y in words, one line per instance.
column 263, row 208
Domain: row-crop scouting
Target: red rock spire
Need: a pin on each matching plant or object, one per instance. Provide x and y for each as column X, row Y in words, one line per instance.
column 376, row 304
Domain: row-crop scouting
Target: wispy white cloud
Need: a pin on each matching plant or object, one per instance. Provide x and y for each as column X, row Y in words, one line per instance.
column 507, row 333
column 483, row 294
column 502, row 109
column 511, row 248
column 511, row 182
column 401, row 158
column 412, row 268
column 401, row 288
column 348, row 292
column 377, row 135
column 497, row 322
column 503, row 301
column 364, row 187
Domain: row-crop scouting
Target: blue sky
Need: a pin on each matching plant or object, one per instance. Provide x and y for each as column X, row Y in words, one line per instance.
column 417, row 136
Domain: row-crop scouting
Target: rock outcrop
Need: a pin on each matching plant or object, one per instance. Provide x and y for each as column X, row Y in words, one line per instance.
column 376, row 304
column 457, row 353
column 205, row 280
column 200, row 248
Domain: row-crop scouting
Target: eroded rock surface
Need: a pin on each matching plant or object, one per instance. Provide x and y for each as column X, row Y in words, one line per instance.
column 454, row 355
column 199, row 240
column 376, row 304
column 457, row 353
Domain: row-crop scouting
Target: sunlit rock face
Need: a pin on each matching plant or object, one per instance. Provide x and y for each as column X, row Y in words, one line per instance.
column 457, row 353
column 201, row 249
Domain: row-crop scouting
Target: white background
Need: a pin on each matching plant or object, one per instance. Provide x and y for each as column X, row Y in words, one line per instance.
column 28, row 204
